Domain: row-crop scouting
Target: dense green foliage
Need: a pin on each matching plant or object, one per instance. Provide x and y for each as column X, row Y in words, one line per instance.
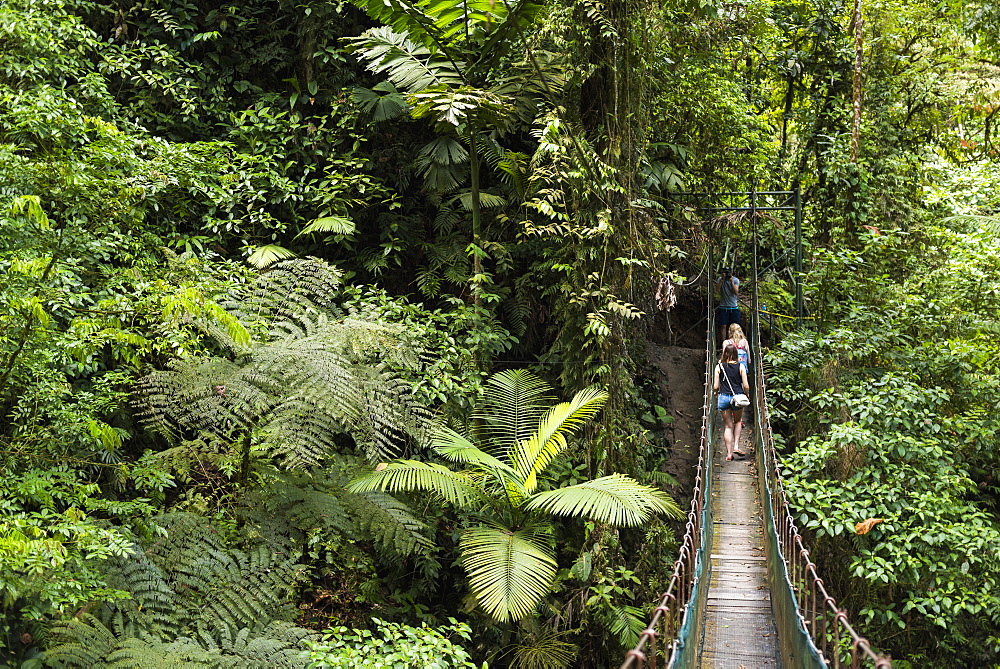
column 391, row 645
column 251, row 249
column 507, row 551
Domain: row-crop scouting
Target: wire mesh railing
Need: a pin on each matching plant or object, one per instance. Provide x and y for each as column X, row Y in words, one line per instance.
column 661, row 639
column 835, row 642
column 812, row 629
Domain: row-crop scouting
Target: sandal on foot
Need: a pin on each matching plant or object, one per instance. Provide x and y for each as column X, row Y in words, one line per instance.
column 739, row 453
column 728, row 458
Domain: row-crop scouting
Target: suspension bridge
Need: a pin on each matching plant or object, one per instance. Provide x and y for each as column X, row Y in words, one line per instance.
column 744, row 592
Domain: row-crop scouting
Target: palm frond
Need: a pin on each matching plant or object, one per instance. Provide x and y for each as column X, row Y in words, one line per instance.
column 616, row 499
column 412, row 475
column 513, row 404
column 545, row 651
column 267, row 255
column 486, row 200
column 382, row 101
column 410, row 66
column 443, row 164
column 448, row 106
column 509, row 572
column 532, row 455
column 337, row 225
column 455, row 447
column 445, row 24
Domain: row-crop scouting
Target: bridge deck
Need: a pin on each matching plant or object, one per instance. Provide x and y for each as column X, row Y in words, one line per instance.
column 739, row 627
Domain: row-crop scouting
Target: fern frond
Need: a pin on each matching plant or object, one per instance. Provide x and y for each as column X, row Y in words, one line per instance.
column 316, row 379
column 627, row 623
column 392, row 524
column 214, row 395
column 194, row 603
column 80, row 642
column 286, row 291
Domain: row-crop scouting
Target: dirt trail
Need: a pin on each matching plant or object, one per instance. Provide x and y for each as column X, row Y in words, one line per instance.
column 681, row 377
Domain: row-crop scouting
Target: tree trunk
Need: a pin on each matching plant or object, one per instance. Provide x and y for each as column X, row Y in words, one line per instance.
column 477, row 260
column 856, row 83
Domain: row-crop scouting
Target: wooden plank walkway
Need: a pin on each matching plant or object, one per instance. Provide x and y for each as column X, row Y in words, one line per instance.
column 739, row 630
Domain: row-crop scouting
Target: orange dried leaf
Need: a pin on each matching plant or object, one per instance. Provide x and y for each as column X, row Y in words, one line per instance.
column 865, row 526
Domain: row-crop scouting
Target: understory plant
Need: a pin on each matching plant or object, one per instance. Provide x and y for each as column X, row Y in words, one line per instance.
column 507, row 537
column 392, row 645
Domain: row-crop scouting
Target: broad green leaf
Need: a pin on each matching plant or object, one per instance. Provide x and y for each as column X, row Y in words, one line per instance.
column 616, row 499
column 265, row 256
column 509, row 571
column 337, row 225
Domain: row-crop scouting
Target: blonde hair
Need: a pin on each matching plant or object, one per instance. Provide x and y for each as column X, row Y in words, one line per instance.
column 736, row 334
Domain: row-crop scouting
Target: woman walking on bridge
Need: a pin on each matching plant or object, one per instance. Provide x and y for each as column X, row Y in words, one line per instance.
column 731, row 380
column 739, row 340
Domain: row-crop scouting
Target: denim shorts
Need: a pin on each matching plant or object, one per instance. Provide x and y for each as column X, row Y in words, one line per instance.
column 726, row 402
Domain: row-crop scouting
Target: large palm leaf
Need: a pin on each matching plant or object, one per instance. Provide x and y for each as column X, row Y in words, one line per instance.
column 509, row 571
column 447, row 24
column 511, row 409
column 410, row 67
column 412, row 475
column 532, row 455
column 455, row 447
column 616, row 499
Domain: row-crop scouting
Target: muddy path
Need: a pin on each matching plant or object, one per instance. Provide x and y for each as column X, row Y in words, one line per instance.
column 680, row 376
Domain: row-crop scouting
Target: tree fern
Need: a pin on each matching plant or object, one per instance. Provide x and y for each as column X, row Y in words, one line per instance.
column 315, row 375
column 285, row 291
column 395, row 529
column 307, row 503
column 194, row 602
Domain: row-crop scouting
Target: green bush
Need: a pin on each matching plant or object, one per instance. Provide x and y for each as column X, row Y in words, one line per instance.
column 392, row 646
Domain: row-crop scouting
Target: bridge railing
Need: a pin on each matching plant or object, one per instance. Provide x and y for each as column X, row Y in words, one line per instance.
column 835, row 643
column 812, row 630
column 678, row 608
